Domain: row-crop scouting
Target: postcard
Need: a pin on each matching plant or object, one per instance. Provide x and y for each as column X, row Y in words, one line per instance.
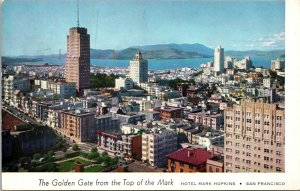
column 149, row 95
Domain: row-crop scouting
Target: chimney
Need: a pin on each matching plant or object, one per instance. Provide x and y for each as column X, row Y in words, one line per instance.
column 213, row 152
column 188, row 153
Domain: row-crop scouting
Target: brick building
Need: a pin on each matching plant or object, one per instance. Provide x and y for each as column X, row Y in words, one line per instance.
column 167, row 113
column 188, row 160
column 78, row 125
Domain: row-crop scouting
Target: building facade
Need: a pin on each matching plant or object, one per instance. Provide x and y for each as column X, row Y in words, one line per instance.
column 254, row 138
column 215, row 164
column 78, row 125
column 138, row 69
column 157, row 144
column 167, row 113
column 277, row 65
column 12, row 83
column 219, row 59
column 125, row 83
column 77, row 67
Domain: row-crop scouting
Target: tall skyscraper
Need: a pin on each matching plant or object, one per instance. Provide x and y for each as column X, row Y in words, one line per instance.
column 77, row 67
column 138, row 68
column 254, row 138
column 219, row 59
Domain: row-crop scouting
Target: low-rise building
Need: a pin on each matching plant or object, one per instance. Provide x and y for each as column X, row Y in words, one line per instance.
column 106, row 123
column 12, row 83
column 78, row 125
column 167, row 113
column 108, row 141
column 188, row 160
column 215, row 164
column 123, row 83
column 214, row 121
column 130, row 146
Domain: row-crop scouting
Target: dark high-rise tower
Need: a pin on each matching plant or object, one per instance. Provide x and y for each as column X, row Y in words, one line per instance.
column 77, row 67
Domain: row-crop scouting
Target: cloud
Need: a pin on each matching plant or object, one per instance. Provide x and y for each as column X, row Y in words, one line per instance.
column 275, row 41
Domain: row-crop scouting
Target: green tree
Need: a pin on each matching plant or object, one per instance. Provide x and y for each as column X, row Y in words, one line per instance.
column 64, row 149
column 114, row 161
column 50, row 153
column 102, row 80
column 75, row 147
column 94, row 150
column 106, row 160
column 104, row 154
column 93, row 155
column 37, row 156
column 98, row 160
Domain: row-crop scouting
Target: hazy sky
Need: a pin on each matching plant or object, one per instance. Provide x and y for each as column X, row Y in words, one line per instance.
column 33, row 27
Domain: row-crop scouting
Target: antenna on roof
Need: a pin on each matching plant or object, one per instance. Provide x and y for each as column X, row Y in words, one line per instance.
column 77, row 13
column 96, row 30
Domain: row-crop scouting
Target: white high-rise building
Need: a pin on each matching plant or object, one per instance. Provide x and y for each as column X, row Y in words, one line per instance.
column 138, row 68
column 219, row 59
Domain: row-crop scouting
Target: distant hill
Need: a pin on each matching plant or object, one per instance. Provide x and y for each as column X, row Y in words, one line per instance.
column 15, row 60
column 195, row 48
column 158, row 51
column 272, row 53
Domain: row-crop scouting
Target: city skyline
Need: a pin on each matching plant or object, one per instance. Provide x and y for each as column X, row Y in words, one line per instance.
column 121, row 24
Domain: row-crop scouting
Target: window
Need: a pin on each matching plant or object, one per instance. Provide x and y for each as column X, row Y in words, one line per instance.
column 266, row 150
column 278, row 153
column 181, row 164
column 210, row 169
column 217, row 170
column 228, row 150
column 266, row 166
column 190, row 166
column 266, row 142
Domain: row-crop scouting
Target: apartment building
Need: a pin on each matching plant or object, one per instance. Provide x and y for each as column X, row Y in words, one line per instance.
column 156, row 144
column 78, row 125
column 167, row 113
column 12, row 83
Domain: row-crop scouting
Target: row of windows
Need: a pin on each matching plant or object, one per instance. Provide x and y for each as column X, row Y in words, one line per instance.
column 266, row 116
